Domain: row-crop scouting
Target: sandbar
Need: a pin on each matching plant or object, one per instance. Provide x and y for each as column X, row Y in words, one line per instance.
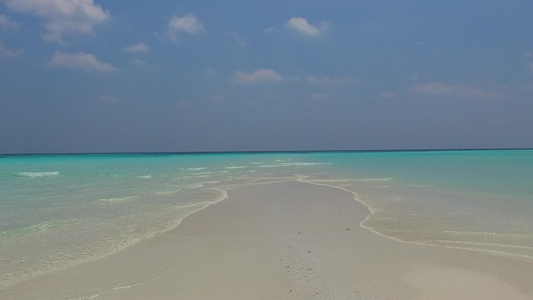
column 284, row 240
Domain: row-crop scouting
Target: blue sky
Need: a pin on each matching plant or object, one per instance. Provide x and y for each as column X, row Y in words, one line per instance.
column 120, row 76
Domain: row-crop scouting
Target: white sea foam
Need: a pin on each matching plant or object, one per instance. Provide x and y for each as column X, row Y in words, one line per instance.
column 201, row 174
column 481, row 244
column 86, row 297
column 293, row 164
column 38, row 174
column 332, row 180
column 211, row 182
column 269, row 166
column 168, row 192
column 374, row 179
column 196, row 169
column 193, row 186
column 236, row 167
column 145, row 176
column 35, row 228
column 117, row 199
column 304, row 164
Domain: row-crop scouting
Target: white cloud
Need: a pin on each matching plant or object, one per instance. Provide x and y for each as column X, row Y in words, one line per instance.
column 186, row 24
column 108, row 98
column 8, row 52
column 320, row 97
column 442, row 89
column 139, row 62
column 330, row 81
column 261, row 75
column 84, row 61
column 269, row 30
column 5, row 23
column 241, row 40
column 63, row 16
column 140, row 47
column 301, row 26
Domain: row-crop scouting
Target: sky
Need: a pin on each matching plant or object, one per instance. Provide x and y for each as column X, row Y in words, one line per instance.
column 240, row 75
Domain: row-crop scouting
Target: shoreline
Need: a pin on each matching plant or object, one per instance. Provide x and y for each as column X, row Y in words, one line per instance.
column 270, row 230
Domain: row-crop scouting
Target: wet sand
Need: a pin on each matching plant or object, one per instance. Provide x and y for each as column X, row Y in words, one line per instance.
column 288, row 240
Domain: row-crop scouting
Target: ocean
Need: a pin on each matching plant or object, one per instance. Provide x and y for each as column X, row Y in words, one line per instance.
column 57, row 211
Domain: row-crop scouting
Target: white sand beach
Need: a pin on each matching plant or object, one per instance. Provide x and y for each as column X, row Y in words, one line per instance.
column 287, row 240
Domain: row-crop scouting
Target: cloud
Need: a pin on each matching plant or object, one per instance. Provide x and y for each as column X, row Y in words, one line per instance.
column 63, row 16
column 442, row 89
column 5, row 23
column 108, row 98
column 140, row 47
column 241, row 40
column 8, row 52
column 84, row 61
column 261, row 75
column 302, row 27
column 320, row 97
column 187, row 24
column 330, row 81
column 269, row 30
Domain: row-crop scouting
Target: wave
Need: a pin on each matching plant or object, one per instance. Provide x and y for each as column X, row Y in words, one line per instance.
column 374, row 179
column 193, row 186
column 304, row 164
column 236, row 167
column 331, row 180
column 196, row 169
column 117, row 199
column 481, row 244
column 168, row 192
column 211, row 182
column 200, row 174
column 180, row 188
column 145, row 176
column 36, row 228
column 294, row 164
column 38, row 174
column 269, row 166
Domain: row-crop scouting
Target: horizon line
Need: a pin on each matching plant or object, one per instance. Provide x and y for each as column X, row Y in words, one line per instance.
column 263, row 151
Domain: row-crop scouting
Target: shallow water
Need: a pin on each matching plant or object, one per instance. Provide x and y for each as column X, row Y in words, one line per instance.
column 61, row 210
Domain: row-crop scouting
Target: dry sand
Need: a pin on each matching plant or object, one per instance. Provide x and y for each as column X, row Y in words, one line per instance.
column 288, row 240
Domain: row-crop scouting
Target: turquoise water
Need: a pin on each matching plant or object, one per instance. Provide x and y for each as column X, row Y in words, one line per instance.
column 57, row 211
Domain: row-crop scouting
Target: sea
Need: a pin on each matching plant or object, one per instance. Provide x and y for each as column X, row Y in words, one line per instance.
column 58, row 211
